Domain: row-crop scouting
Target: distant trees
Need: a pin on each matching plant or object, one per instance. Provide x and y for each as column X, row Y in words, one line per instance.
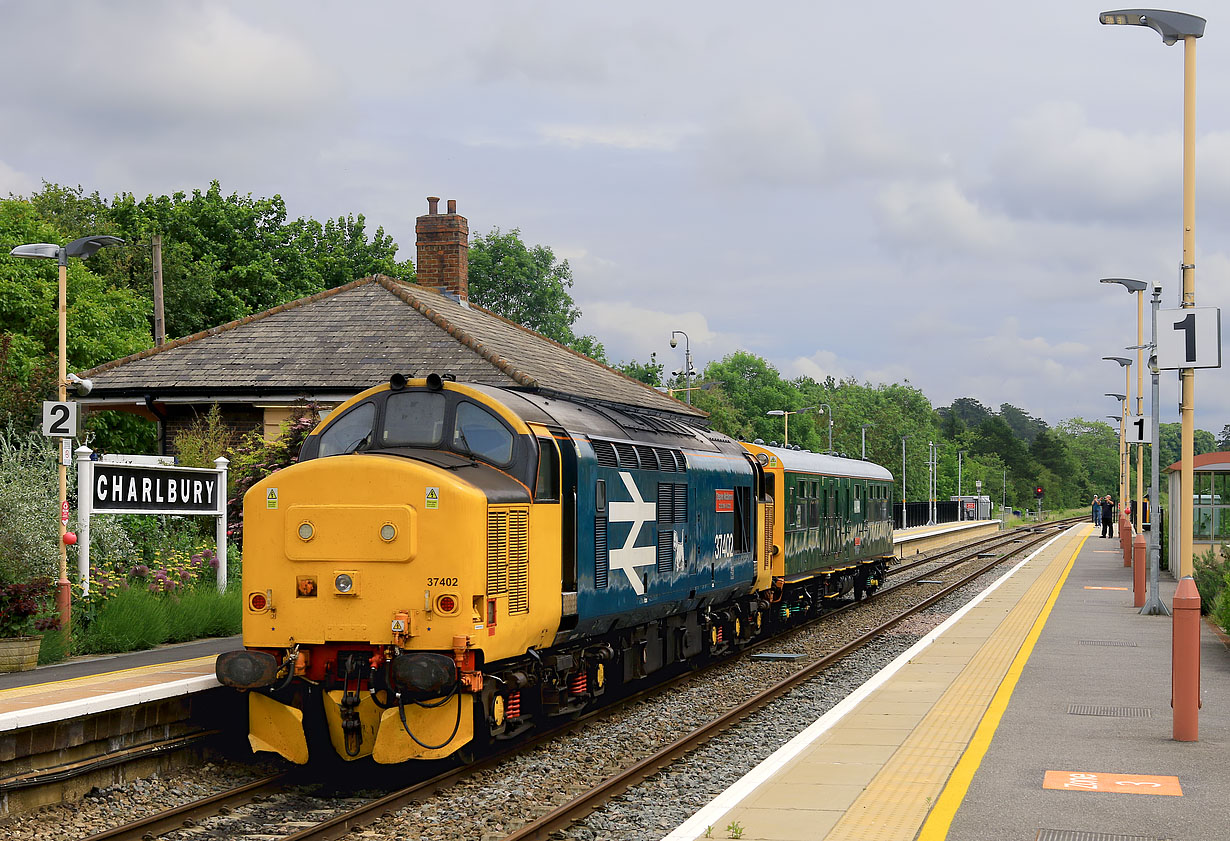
column 528, row 286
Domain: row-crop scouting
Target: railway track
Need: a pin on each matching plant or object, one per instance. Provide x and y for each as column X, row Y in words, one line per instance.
column 283, row 806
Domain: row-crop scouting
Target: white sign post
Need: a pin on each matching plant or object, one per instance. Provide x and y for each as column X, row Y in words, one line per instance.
column 107, row 487
column 1189, row 337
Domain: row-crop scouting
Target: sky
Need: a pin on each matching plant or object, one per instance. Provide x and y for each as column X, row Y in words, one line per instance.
column 876, row 190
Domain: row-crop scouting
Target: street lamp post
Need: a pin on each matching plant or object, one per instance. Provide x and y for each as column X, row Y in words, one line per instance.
column 904, row 520
column 1125, row 491
column 863, row 430
column 687, row 360
column 1122, row 398
column 828, row 411
column 1137, row 287
column 84, row 247
column 785, row 415
column 1173, row 26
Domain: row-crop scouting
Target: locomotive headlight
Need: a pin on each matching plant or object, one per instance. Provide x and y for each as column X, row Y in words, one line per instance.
column 344, row 584
column 306, row 531
column 387, row 532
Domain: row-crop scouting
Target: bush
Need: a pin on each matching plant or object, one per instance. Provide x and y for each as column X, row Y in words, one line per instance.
column 27, row 608
column 29, row 498
column 1209, row 571
column 204, row 440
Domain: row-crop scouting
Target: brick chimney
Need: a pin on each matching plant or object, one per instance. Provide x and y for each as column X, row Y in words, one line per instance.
column 443, row 241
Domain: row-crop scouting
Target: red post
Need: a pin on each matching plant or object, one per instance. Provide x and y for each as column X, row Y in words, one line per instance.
column 1185, row 662
column 1138, row 570
column 1125, row 539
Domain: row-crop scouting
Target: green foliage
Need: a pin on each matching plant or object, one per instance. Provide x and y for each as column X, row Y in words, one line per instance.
column 1210, row 572
column 27, row 607
column 223, row 257
column 650, row 373
column 528, row 286
column 29, row 500
column 203, row 440
column 254, row 458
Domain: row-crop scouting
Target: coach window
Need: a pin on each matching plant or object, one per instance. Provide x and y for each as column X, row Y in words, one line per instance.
column 350, row 432
column 478, row 432
column 546, row 489
column 413, row 419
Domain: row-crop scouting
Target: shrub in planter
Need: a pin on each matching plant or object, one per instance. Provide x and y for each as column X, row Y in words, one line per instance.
column 27, row 608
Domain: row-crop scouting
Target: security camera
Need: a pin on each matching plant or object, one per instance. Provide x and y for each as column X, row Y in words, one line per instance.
column 81, row 386
column 674, row 342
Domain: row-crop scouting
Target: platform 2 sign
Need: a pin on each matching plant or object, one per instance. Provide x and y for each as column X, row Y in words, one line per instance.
column 133, row 489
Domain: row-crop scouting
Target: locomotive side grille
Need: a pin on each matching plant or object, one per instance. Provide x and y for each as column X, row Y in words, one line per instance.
column 508, row 557
column 666, row 460
column 627, row 455
column 666, row 551
column 518, row 562
column 648, row 458
column 666, row 503
column 681, row 504
column 605, row 452
column 768, row 535
column 602, row 558
column 497, row 553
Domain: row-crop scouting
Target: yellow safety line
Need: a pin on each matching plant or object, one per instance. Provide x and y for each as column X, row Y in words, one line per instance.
column 940, row 820
column 37, row 687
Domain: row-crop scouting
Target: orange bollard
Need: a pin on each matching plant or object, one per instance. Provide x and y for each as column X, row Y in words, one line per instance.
column 1125, row 539
column 1138, row 570
column 1185, row 662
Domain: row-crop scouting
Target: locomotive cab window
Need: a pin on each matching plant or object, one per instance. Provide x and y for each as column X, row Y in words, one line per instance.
column 413, row 419
column 479, row 433
column 546, row 489
column 350, row 432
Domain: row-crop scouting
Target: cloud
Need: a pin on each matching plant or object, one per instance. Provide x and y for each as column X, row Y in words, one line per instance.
column 629, row 137
column 15, row 182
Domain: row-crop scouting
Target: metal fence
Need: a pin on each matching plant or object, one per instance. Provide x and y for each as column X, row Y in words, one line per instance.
column 918, row 513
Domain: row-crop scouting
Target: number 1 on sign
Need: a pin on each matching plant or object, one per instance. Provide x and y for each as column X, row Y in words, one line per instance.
column 1139, row 431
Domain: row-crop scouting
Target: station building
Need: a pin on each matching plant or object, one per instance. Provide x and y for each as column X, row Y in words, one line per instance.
column 1211, row 509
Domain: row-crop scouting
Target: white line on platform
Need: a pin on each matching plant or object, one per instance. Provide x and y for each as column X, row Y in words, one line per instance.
column 66, row 710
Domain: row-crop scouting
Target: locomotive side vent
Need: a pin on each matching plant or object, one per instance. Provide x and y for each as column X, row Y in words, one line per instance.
column 508, row 558
column 666, row 551
column 602, row 557
column 605, row 453
column 768, row 535
column 627, row 456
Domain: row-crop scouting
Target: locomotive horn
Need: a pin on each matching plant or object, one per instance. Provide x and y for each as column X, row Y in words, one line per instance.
column 435, row 382
column 397, row 382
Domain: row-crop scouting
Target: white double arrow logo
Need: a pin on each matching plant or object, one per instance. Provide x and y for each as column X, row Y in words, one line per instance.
column 638, row 512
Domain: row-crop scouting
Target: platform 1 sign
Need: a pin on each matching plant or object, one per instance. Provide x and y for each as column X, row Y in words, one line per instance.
column 1189, row 338
column 1139, row 431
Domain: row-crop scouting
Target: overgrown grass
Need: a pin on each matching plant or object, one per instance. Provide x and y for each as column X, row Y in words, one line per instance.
column 134, row 619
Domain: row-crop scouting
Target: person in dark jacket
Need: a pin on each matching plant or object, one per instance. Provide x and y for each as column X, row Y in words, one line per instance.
column 1108, row 517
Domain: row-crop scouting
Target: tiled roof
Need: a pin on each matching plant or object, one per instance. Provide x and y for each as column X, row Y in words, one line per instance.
column 353, row 337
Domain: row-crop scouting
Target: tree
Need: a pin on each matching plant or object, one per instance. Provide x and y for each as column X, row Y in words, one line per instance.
column 1025, row 425
column 528, row 286
column 650, row 373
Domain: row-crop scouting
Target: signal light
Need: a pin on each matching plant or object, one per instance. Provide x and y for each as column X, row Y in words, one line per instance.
column 258, row 602
column 446, row 605
column 1038, row 493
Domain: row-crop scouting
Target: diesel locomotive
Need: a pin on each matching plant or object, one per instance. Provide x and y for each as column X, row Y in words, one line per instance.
column 449, row 564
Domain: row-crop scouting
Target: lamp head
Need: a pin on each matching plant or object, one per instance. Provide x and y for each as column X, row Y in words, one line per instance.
column 1116, row 396
column 674, row 342
column 35, row 250
column 1170, row 25
column 1127, row 283
column 775, row 412
column 1122, row 360
column 87, row 247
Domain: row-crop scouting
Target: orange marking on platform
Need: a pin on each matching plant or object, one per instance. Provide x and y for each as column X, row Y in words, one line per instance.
column 1087, row 587
column 1114, row 783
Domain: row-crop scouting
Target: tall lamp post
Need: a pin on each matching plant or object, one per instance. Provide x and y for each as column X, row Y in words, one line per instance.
column 1126, row 364
column 863, row 430
column 687, row 360
column 828, row 411
column 1121, row 417
column 1173, row 26
column 785, row 415
column 904, row 521
column 85, row 247
column 1137, row 287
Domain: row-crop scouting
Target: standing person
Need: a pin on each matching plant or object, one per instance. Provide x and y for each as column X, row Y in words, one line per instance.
column 1108, row 517
column 1097, row 511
